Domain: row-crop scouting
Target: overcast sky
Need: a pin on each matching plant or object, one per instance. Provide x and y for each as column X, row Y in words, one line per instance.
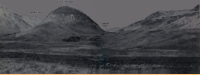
column 118, row 13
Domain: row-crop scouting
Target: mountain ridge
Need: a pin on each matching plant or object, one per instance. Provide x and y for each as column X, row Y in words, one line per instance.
column 64, row 20
column 177, row 29
column 11, row 23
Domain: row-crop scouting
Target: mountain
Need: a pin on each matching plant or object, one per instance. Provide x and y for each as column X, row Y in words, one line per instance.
column 10, row 22
column 31, row 20
column 62, row 23
column 175, row 29
column 166, row 19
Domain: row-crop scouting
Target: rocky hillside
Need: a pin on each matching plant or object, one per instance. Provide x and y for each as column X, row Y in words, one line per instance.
column 175, row 29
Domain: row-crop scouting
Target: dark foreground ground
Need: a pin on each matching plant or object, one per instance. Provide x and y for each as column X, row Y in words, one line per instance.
column 83, row 59
column 53, row 64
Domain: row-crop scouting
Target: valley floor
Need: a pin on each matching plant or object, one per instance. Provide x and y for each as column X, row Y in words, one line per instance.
column 18, row 66
column 22, row 66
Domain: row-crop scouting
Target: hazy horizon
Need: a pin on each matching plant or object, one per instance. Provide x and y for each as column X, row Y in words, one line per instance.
column 119, row 13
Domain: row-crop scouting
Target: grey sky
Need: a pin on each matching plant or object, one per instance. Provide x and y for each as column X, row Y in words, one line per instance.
column 118, row 13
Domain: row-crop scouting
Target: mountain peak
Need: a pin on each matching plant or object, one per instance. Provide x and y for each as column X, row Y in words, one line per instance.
column 196, row 8
column 61, row 23
column 65, row 10
column 4, row 8
column 1, row 6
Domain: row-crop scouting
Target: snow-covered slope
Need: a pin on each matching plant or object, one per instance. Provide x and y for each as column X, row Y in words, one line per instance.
column 176, row 29
column 62, row 23
column 11, row 23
